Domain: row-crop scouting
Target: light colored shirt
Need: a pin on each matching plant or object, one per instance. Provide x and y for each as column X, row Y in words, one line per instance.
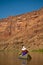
column 23, row 48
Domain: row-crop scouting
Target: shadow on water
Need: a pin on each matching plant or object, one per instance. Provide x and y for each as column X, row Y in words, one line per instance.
column 29, row 57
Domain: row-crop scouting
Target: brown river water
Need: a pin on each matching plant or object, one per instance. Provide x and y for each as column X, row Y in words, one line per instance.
column 11, row 58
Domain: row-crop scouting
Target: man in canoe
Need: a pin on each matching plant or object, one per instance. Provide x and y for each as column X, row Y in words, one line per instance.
column 24, row 50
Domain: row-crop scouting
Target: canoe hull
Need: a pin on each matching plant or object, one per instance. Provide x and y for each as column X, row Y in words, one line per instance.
column 27, row 56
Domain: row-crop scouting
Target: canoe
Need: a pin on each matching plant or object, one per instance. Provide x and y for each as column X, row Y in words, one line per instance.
column 26, row 56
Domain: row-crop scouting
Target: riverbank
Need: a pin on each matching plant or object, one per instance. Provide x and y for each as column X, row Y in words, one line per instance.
column 19, row 50
column 38, row 50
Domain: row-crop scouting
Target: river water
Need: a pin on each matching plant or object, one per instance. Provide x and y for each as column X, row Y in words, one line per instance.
column 11, row 58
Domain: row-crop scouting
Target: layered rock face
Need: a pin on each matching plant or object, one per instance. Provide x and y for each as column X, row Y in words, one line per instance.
column 22, row 29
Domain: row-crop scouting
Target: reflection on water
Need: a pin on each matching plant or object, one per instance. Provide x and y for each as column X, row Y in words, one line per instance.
column 24, row 62
column 11, row 58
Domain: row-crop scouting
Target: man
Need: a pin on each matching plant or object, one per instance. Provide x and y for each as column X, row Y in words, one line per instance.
column 24, row 50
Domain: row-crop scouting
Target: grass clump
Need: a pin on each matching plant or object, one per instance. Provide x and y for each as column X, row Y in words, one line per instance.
column 39, row 50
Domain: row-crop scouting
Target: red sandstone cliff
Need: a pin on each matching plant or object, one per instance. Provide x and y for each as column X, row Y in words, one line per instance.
column 23, row 29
